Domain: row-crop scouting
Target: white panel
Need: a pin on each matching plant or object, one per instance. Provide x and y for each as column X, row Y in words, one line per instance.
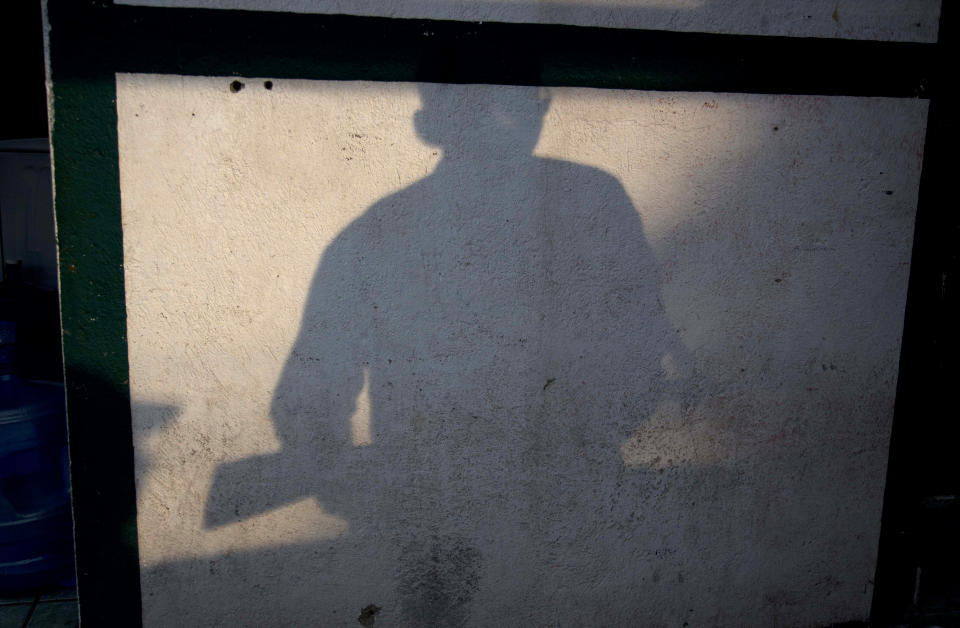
column 511, row 356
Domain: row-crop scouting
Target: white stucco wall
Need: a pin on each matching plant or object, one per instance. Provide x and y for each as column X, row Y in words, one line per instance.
column 885, row 20
column 644, row 377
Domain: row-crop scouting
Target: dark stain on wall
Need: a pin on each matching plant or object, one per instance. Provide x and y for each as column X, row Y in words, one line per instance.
column 438, row 577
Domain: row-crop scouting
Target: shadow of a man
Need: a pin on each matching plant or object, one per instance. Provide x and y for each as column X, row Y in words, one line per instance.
column 500, row 323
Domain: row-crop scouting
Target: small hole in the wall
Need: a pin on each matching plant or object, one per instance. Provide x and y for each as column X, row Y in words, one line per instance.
column 889, row 192
column 268, row 84
column 236, row 86
column 776, row 128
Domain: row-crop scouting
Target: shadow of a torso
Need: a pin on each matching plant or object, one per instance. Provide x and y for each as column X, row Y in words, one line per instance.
column 474, row 351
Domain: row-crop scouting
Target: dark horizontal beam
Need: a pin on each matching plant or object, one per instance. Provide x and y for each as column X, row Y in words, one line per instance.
column 340, row 47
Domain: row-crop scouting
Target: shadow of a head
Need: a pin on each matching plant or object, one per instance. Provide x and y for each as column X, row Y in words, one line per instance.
column 493, row 124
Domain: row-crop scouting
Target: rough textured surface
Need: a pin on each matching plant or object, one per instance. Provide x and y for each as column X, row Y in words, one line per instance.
column 391, row 360
column 885, row 20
